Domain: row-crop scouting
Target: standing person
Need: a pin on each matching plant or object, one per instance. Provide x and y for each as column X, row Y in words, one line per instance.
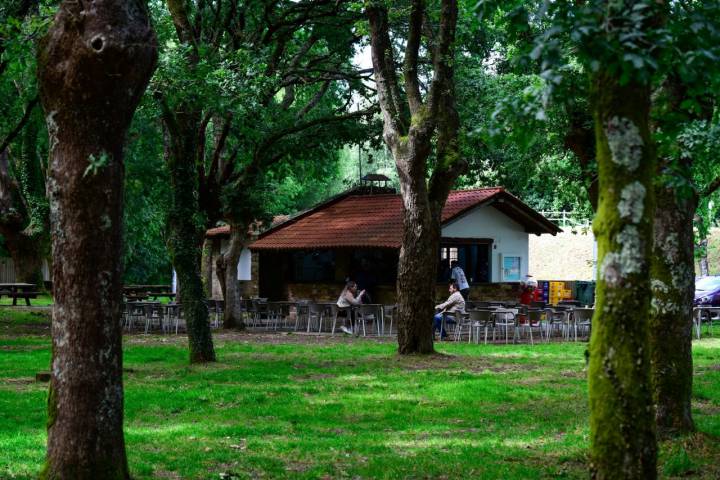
column 349, row 297
column 454, row 303
column 527, row 291
column 458, row 275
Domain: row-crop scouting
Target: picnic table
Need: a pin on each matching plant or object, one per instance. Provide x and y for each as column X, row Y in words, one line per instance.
column 142, row 292
column 19, row 290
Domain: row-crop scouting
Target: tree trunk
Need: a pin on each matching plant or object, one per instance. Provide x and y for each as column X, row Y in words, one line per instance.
column 622, row 419
column 228, row 268
column 93, row 61
column 417, row 270
column 703, row 260
column 206, row 266
column 27, row 254
column 673, row 291
column 186, row 231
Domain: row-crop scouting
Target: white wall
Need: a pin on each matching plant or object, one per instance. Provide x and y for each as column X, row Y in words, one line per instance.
column 509, row 237
column 244, row 270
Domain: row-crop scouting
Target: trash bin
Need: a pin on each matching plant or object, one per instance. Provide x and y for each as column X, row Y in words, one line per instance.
column 585, row 292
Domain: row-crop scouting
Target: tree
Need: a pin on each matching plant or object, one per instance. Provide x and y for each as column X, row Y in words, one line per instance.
column 23, row 204
column 682, row 76
column 622, row 423
column 271, row 81
column 93, row 67
column 410, row 126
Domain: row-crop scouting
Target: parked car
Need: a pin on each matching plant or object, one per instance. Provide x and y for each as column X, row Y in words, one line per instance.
column 707, row 291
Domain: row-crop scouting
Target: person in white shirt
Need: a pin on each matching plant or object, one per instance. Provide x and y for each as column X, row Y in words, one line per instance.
column 458, row 275
column 454, row 303
column 349, row 297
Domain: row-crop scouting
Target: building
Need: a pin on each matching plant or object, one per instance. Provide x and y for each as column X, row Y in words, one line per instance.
column 358, row 235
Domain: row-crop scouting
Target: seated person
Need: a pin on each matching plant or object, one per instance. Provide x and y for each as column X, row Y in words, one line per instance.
column 348, row 298
column 454, row 303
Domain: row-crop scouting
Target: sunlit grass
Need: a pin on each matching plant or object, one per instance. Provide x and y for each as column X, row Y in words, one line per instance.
column 287, row 408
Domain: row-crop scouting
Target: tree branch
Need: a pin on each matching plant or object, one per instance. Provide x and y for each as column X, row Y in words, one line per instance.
column 443, row 57
column 395, row 121
column 412, row 49
column 20, row 125
column 314, row 100
column 271, row 140
column 711, row 188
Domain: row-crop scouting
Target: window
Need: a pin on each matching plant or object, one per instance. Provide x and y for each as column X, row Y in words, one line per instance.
column 374, row 266
column 313, row 266
column 510, row 268
column 473, row 258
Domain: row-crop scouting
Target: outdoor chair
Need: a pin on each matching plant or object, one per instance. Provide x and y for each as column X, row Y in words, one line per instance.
column 481, row 319
column 368, row 313
column 153, row 316
column 336, row 312
column 461, row 322
column 709, row 317
column 273, row 314
column 314, row 315
column 219, row 311
column 135, row 314
column 557, row 321
column 534, row 319
column 582, row 318
column 179, row 318
column 389, row 312
column 505, row 319
column 260, row 313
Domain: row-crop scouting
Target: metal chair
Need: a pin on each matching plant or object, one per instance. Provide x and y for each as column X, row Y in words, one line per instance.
column 389, row 312
column 506, row 319
column 582, row 318
column 314, row 314
column 481, row 319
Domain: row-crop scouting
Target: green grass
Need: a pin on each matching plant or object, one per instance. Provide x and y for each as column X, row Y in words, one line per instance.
column 289, row 406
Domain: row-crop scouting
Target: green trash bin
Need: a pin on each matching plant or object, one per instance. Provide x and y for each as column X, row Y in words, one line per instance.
column 584, row 292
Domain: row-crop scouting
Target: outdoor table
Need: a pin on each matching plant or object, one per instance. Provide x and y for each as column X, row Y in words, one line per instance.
column 15, row 290
column 698, row 313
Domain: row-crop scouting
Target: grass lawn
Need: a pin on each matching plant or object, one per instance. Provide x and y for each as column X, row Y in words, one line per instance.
column 292, row 406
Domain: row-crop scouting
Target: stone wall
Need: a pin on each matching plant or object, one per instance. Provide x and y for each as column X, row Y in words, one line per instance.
column 248, row 288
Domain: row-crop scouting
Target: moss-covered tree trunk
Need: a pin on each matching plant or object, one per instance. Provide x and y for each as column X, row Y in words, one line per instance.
column 228, row 276
column 93, row 67
column 622, row 419
column 187, row 229
column 673, row 290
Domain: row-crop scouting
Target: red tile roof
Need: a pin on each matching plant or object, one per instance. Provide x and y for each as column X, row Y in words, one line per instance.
column 376, row 221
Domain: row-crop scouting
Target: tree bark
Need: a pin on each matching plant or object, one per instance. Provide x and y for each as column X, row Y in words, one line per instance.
column 186, row 230
column 622, row 418
column 93, row 67
column 673, row 291
column 228, row 274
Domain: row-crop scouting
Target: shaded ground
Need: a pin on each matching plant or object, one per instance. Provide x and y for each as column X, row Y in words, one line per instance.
column 299, row 406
